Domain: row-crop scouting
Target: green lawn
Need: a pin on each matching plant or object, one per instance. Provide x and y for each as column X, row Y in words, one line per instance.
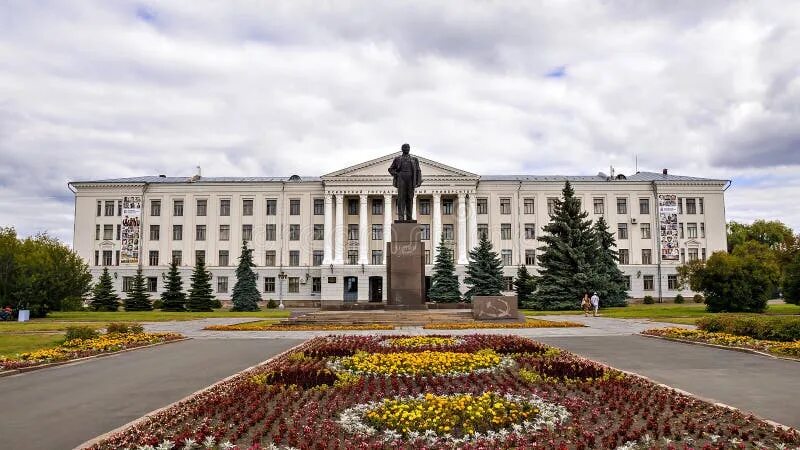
column 156, row 316
column 666, row 312
column 38, row 325
column 11, row 344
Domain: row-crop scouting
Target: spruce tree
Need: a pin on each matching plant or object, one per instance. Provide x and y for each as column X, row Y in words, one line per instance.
column 524, row 285
column 444, row 281
column 173, row 297
column 104, row 298
column 245, row 292
column 200, row 295
column 484, row 271
column 137, row 299
column 609, row 282
column 566, row 262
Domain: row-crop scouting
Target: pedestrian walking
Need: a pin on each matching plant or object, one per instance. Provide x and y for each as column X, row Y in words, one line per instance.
column 595, row 303
column 586, row 304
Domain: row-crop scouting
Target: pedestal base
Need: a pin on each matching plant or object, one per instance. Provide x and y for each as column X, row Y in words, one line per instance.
column 405, row 267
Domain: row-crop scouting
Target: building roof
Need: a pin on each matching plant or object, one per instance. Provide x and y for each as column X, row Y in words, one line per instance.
column 153, row 179
column 639, row 176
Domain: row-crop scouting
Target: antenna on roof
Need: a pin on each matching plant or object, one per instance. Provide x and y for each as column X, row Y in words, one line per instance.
column 636, row 162
column 611, row 171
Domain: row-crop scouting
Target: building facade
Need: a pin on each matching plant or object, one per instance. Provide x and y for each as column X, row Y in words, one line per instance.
column 323, row 239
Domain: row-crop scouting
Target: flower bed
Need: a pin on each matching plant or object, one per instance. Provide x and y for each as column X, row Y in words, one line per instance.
column 546, row 399
column 80, row 348
column 530, row 323
column 271, row 326
column 791, row 349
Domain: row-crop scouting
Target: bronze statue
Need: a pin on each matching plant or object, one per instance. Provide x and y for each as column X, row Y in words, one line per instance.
column 407, row 177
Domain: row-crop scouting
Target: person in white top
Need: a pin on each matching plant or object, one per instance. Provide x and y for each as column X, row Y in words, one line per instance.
column 595, row 303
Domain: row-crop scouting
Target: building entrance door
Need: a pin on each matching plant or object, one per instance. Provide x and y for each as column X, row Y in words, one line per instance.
column 375, row 289
column 350, row 289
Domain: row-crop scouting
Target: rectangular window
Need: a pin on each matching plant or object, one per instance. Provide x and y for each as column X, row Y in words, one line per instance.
column 225, row 207
column 108, row 258
column 672, row 282
column 294, row 232
column 424, row 206
column 624, row 256
column 200, row 233
column 119, row 231
column 319, row 207
column 505, row 206
column 483, row 231
column 551, row 205
column 647, row 282
column 269, row 284
column 704, row 253
column 527, row 205
column 530, row 257
column 447, row 206
column 202, row 207
column 177, row 208
column 317, row 256
column 155, row 232
column 700, row 205
column 272, row 207
column 352, row 206
column 99, row 209
column 223, row 258
column 269, row 258
column 482, row 205
column 177, row 232
column 599, row 206
column 153, row 257
column 702, row 229
column 427, row 257
column 693, row 255
column 622, row 206
column 97, row 232
column 294, row 258
column 377, row 206
column 316, row 285
column 508, row 283
column 645, row 227
column 271, row 233
column 691, row 207
column 448, row 232
column 680, row 205
column 683, row 256
column 119, row 208
column 177, row 257
column 116, row 262
column 530, row 231
column 377, row 257
column 506, row 256
column 377, row 232
column 152, row 284
column 294, row 285
column 352, row 257
column 319, row 231
column 352, row 231
column 622, row 231
column 247, row 207
column 294, row 207
column 222, row 285
column 109, row 208
column 680, row 229
column 155, row 208
column 627, row 282
column 224, row 232
column 247, row 232
column 199, row 255
column 108, row 232
column 127, row 284
column 505, row 231
column 424, row 231
column 647, row 256
column 644, row 206
column 691, row 230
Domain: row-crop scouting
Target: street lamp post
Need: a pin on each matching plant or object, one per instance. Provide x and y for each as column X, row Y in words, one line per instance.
column 281, row 276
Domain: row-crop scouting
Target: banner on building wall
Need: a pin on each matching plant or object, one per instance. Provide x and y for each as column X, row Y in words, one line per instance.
column 668, row 219
column 131, row 229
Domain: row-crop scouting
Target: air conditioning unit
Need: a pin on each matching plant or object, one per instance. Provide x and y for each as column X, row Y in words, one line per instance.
column 633, row 219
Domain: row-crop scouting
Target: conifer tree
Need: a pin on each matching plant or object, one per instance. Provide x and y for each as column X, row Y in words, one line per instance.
column 567, row 260
column 484, row 271
column 137, row 299
column 200, row 295
column 444, row 281
column 173, row 297
column 609, row 282
column 245, row 292
column 524, row 285
column 104, row 298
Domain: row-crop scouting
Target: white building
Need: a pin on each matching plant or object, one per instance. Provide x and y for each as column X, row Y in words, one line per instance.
column 323, row 239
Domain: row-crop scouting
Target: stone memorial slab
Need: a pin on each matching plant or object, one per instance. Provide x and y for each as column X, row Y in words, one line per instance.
column 498, row 307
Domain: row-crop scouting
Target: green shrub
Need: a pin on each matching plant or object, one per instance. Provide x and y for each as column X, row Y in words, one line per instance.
column 679, row 299
column 698, row 298
column 773, row 328
column 216, row 304
column 648, row 300
column 72, row 303
column 117, row 327
column 158, row 304
column 80, row 332
column 136, row 328
column 271, row 304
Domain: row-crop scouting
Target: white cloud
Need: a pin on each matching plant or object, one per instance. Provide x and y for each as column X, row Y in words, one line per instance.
column 98, row 89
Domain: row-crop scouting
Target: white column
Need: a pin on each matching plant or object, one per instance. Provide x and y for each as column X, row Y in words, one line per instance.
column 462, row 229
column 363, row 234
column 436, row 224
column 473, row 221
column 339, row 253
column 328, row 248
column 387, row 225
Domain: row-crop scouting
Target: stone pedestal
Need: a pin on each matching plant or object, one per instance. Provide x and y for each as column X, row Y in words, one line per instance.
column 492, row 307
column 405, row 267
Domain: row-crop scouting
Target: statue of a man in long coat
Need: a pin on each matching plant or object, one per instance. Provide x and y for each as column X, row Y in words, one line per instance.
column 407, row 177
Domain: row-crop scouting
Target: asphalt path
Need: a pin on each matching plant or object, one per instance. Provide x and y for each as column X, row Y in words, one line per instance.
column 62, row 407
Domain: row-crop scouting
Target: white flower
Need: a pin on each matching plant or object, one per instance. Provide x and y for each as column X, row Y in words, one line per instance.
column 189, row 444
column 209, row 442
column 166, row 445
column 226, row 446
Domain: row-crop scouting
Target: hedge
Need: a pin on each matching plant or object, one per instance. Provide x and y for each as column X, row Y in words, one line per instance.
column 773, row 328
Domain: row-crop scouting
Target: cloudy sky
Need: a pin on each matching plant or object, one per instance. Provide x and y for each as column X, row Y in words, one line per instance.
column 99, row 89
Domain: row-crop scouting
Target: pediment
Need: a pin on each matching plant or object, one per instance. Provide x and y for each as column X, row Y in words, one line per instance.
column 692, row 243
column 379, row 167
